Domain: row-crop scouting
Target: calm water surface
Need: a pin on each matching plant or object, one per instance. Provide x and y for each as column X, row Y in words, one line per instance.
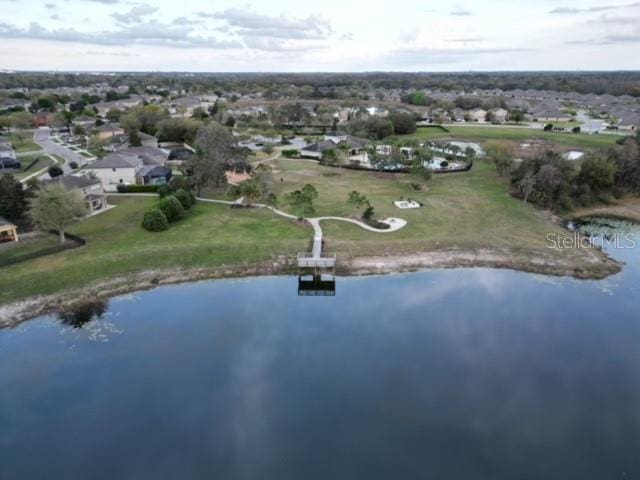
column 456, row 374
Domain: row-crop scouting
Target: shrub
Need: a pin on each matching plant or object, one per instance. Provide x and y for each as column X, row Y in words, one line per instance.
column 164, row 190
column 290, row 153
column 184, row 198
column 55, row 171
column 73, row 165
column 172, row 208
column 137, row 188
column 179, row 181
column 155, row 221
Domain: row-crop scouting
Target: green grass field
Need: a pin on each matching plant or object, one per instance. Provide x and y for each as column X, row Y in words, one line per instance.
column 464, row 211
column 461, row 210
column 23, row 142
column 480, row 134
column 117, row 245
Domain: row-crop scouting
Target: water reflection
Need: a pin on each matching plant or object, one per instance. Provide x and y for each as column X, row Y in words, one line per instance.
column 316, row 285
column 79, row 316
column 459, row 374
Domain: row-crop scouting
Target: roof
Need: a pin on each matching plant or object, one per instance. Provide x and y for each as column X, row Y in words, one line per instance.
column 153, row 171
column 116, row 160
column 148, row 155
column 72, row 182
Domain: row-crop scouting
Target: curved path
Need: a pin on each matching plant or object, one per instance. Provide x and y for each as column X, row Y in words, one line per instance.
column 395, row 224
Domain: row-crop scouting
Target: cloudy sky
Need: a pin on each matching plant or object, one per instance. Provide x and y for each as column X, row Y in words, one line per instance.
column 332, row 35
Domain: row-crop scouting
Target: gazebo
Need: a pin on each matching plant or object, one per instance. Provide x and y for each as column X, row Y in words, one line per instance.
column 8, row 231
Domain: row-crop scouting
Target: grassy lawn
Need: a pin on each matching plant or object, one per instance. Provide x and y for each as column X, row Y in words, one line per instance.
column 117, row 245
column 42, row 162
column 13, row 251
column 461, row 210
column 23, row 142
column 480, row 134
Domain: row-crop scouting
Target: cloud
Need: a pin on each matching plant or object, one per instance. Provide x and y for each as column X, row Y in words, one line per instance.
column 50, row 6
column 601, row 8
column 460, row 13
column 148, row 33
column 251, row 24
column 421, row 56
column 136, row 14
column 465, row 40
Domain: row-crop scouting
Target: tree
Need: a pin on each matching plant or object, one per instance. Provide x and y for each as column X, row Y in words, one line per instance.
column 21, row 120
column 13, row 198
column 172, row 208
column 501, row 153
column 215, row 149
column 598, row 173
column 403, row 123
column 134, row 138
column 113, row 115
column 178, row 130
column 250, row 190
column 357, row 200
column 155, row 220
column 302, row 200
column 130, row 122
column 79, row 130
column 55, row 171
column 55, row 208
column 272, row 200
column 368, row 213
column 527, row 186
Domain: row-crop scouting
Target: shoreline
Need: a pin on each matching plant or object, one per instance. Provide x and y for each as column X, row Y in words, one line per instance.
column 14, row 313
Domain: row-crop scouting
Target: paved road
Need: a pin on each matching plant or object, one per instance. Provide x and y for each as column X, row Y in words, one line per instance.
column 42, row 138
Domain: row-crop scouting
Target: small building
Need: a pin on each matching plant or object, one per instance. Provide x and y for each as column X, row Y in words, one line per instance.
column 8, row 231
column 90, row 188
column 136, row 165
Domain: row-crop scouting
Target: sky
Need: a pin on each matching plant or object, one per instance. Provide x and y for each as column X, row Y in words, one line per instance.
column 331, row 35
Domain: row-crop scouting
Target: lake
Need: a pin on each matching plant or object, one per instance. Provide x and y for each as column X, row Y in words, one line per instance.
column 444, row 374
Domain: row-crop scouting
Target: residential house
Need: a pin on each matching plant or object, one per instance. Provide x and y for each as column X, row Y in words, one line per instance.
column 477, row 115
column 499, row 115
column 91, row 189
column 108, row 130
column 353, row 146
column 137, row 165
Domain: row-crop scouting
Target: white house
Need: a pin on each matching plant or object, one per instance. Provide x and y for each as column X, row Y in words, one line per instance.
column 116, row 169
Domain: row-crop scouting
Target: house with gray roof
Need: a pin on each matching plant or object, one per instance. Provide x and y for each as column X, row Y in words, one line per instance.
column 90, row 188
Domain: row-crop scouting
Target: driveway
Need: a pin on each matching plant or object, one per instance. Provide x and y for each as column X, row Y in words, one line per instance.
column 42, row 138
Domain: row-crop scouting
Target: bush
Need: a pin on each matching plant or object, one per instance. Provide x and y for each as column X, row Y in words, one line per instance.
column 155, row 221
column 184, row 198
column 73, row 165
column 179, row 182
column 172, row 208
column 55, row 171
column 164, row 190
column 122, row 188
column 290, row 153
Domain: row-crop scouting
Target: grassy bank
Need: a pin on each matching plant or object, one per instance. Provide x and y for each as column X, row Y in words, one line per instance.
column 117, row 246
column 464, row 212
column 479, row 134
